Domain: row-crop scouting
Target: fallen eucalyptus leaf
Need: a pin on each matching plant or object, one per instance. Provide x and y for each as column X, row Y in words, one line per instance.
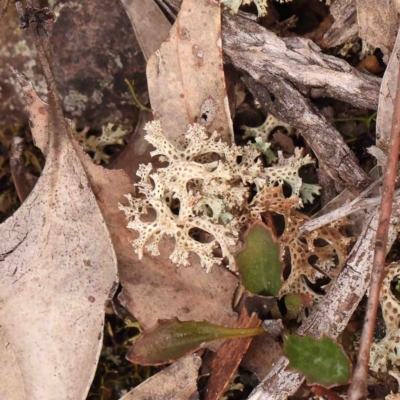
column 177, row 382
column 322, row 362
column 153, row 288
column 259, row 263
column 58, row 270
column 172, row 339
column 186, row 77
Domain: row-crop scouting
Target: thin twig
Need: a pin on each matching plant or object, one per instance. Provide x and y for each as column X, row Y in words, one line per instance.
column 358, row 204
column 358, row 387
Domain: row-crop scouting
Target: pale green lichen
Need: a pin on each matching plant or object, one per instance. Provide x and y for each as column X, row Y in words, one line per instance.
column 110, row 135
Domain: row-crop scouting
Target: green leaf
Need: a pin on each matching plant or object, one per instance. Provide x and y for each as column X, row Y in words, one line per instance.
column 322, row 362
column 259, row 263
column 172, row 339
column 293, row 304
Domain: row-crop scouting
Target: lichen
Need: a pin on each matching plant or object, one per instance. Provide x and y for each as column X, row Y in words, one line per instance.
column 325, row 248
column 206, row 187
column 387, row 351
column 264, row 130
column 261, row 5
column 110, row 135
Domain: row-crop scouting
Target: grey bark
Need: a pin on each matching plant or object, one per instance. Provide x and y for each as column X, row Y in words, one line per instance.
column 261, row 54
column 344, row 28
column 285, row 102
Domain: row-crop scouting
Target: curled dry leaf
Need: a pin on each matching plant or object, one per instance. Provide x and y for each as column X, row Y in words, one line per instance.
column 153, row 288
column 228, row 357
column 186, row 78
column 177, row 382
column 58, row 269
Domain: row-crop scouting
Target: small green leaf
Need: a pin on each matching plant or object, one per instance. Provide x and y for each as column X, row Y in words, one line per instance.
column 259, row 263
column 322, row 362
column 293, row 304
column 172, row 339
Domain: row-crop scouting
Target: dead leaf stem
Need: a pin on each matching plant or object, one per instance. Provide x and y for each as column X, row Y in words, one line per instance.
column 358, row 388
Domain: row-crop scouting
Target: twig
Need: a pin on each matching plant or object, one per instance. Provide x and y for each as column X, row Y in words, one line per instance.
column 286, row 103
column 262, row 54
column 358, row 204
column 358, row 387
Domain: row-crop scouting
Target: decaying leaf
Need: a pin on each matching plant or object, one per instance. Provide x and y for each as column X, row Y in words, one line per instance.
column 228, row 357
column 186, row 78
column 153, row 288
column 260, row 263
column 323, row 361
column 303, row 249
column 172, row 339
column 58, row 269
column 177, row 382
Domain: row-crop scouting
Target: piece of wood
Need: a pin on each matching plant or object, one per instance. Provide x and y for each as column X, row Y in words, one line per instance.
column 265, row 56
column 387, row 96
column 287, row 104
column 358, row 387
column 344, row 28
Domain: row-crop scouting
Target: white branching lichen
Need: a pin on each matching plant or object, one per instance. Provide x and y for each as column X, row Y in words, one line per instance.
column 261, row 5
column 110, row 135
column 264, row 130
column 205, row 188
column 387, row 351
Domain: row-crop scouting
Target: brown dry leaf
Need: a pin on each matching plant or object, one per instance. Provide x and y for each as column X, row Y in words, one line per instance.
column 263, row 353
column 386, row 99
column 186, row 77
column 378, row 23
column 177, row 382
column 227, row 358
column 58, row 270
column 153, row 288
column 145, row 16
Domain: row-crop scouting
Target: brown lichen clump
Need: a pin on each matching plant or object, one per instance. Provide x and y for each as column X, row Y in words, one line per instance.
column 326, row 245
